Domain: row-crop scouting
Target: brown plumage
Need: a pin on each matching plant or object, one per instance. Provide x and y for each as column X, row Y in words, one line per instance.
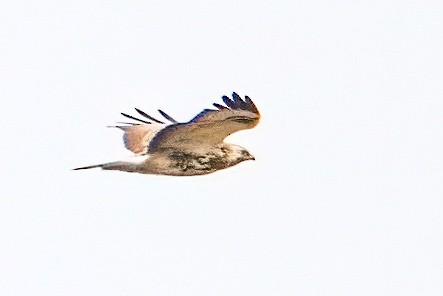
column 195, row 147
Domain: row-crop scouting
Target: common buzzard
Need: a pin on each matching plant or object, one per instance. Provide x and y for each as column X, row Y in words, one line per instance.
column 190, row 148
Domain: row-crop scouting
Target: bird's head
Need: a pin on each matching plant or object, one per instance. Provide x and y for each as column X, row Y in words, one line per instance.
column 238, row 154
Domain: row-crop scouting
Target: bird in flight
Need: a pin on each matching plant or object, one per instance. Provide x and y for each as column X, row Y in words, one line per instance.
column 190, row 148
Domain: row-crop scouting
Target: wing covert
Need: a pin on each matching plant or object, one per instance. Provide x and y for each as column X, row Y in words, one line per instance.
column 208, row 128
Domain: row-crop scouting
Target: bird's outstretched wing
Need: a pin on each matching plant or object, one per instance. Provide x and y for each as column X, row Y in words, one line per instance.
column 138, row 135
column 209, row 128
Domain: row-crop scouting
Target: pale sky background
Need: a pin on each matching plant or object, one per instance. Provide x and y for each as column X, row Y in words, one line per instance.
column 346, row 194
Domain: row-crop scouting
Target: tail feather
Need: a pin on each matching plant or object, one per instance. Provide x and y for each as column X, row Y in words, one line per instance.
column 134, row 164
column 116, row 165
column 88, row 167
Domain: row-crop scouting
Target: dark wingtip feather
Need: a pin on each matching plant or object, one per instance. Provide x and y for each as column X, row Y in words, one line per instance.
column 228, row 102
column 250, row 105
column 242, row 103
column 219, row 107
column 148, row 116
column 167, row 116
column 135, row 118
column 239, row 103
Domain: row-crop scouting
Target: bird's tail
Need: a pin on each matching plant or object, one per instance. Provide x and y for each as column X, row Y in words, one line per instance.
column 134, row 164
column 88, row 167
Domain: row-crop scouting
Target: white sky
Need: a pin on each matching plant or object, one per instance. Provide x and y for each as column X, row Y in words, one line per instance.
column 345, row 197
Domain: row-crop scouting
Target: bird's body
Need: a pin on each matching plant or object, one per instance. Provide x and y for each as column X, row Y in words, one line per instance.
column 186, row 149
